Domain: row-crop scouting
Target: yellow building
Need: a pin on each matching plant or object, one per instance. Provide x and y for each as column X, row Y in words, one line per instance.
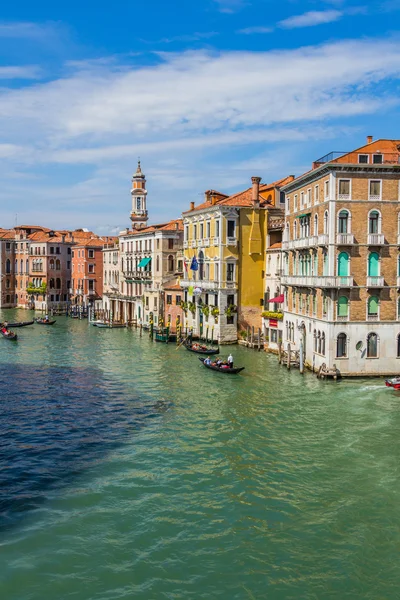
column 226, row 238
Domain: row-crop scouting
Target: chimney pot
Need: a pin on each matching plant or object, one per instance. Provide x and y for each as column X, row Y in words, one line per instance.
column 255, row 189
column 192, row 206
column 370, row 139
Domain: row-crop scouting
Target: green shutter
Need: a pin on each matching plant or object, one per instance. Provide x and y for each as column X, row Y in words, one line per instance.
column 343, row 306
column 343, row 264
column 373, row 305
column 373, row 264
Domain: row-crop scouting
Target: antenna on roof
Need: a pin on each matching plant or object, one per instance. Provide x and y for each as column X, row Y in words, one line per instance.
column 16, row 219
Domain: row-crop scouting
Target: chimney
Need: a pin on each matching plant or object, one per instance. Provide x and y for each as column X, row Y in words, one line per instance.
column 256, row 190
column 192, row 206
column 370, row 139
column 177, row 226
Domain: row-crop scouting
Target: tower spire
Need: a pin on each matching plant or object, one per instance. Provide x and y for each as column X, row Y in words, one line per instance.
column 139, row 215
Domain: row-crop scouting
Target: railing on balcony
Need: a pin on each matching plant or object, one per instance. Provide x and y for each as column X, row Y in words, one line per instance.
column 375, row 281
column 322, row 282
column 186, row 244
column 323, row 239
column 344, row 197
column 373, row 317
column 193, row 243
column 285, row 244
column 231, row 241
column 345, row 239
column 375, row 198
column 342, row 318
column 376, row 239
column 216, row 241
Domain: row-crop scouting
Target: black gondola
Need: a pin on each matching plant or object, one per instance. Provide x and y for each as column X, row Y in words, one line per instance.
column 228, row 370
column 43, row 322
column 201, row 351
column 9, row 335
column 20, row 324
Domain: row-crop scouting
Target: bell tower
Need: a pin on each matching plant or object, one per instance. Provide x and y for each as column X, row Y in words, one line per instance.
column 139, row 215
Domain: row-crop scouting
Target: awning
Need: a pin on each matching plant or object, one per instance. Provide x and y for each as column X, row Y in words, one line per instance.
column 278, row 300
column 303, row 215
column 144, row 262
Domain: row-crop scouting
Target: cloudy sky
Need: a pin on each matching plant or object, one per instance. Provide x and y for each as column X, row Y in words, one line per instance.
column 207, row 93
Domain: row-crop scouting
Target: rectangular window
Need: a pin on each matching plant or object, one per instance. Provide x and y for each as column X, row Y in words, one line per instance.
column 363, row 159
column 273, row 336
column 216, row 272
column 91, row 268
column 301, row 199
column 208, row 229
column 201, row 231
column 295, row 202
column 186, row 236
column 344, row 188
column 231, row 228
column 57, row 250
column 91, row 285
column 155, row 302
column 377, row 159
column 316, row 194
column 230, row 271
column 170, row 244
column 217, row 229
column 178, row 300
column 309, row 197
column 51, row 250
column 195, row 232
column 375, row 190
column 326, row 189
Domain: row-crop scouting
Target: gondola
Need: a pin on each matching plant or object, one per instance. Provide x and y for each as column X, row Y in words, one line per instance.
column 43, row 322
column 228, row 370
column 20, row 324
column 10, row 335
column 200, row 350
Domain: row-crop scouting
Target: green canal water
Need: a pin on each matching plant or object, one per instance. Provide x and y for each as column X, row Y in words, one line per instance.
column 129, row 471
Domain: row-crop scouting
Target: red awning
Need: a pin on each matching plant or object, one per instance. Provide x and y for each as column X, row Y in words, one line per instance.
column 278, row 300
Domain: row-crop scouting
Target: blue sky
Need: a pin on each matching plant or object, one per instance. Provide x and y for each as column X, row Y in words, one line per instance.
column 207, row 93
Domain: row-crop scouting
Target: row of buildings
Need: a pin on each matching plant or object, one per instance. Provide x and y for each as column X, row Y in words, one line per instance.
column 312, row 261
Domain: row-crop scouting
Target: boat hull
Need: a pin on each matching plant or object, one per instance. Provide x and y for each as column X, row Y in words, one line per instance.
column 12, row 337
column 45, row 322
column 227, row 371
column 20, row 324
column 207, row 352
column 393, row 383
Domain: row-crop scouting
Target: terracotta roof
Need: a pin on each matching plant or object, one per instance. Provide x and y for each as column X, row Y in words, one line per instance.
column 276, row 245
column 169, row 226
column 244, row 198
column 172, row 286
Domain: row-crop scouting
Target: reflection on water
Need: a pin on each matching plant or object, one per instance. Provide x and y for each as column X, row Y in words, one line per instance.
column 129, row 471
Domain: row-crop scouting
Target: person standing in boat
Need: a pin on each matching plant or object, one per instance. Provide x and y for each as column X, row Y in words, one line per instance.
column 230, row 361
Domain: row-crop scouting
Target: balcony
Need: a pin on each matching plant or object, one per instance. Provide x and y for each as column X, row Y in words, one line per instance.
column 344, row 197
column 376, row 282
column 286, row 243
column 216, row 241
column 193, row 243
column 376, row 239
column 323, row 239
column 186, row 244
column 345, row 239
column 231, row 241
column 342, row 318
column 372, row 317
column 320, row 282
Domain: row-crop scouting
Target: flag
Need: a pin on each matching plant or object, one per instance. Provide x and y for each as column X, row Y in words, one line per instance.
column 190, row 290
column 194, row 265
column 185, row 265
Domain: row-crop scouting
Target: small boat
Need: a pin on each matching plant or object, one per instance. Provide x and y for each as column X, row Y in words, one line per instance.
column 198, row 349
column 20, row 324
column 9, row 335
column 393, row 383
column 43, row 322
column 103, row 325
column 222, row 369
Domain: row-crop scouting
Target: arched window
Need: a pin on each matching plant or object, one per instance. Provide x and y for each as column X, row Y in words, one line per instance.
column 22, row 266
column 341, row 345
column 58, row 283
column 372, row 345
column 58, row 265
column 343, row 264
column 315, row 224
column 8, row 266
column 319, row 342
column 323, row 344
column 343, row 307
column 373, row 264
column 315, row 340
column 51, row 264
column 343, row 222
column 51, row 284
column 158, row 263
column 27, row 266
column 171, row 263
column 326, row 221
column 374, row 222
column 373, row 307
column 16, row 267
column 295, row 230
column 398, row 346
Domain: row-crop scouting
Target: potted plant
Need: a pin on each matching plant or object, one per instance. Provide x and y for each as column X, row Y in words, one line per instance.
column 184, row 306
column 230, row 310
column 205, row 310
column 271, row 314
column 192, row 307
column 215, row 313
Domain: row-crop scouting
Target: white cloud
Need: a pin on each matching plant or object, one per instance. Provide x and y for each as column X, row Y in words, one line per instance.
column 196, row 109
column 310, row 19
column 18, row 72
column 230, row 6
column 256, row 29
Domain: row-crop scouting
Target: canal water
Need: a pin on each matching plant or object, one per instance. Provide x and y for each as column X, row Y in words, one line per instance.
column 128, row 471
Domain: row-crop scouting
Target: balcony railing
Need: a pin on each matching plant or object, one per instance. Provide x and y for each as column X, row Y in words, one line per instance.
column 372, row 317
column 375, row 198
column 344, row 197
column 323, row 239
column 216, row 241
column 231, row 241
column 342, row 318
column 286, row 243
column 376, row 239
column 320, row 282
column 375, row 281
column 345, row 239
